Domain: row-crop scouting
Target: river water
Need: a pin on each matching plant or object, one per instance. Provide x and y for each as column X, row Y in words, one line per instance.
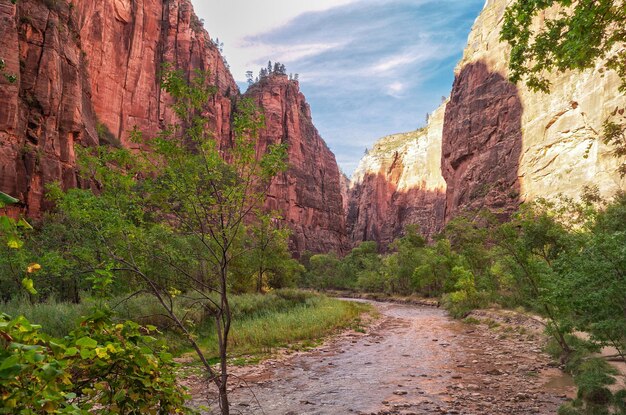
column 413, row 360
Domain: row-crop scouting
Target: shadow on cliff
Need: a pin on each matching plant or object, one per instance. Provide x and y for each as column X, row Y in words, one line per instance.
column 482, row 143
column 378, row 211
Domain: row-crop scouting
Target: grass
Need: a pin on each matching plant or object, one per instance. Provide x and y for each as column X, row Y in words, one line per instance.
column 300, row 327
column 56, row 318
column 261, row 323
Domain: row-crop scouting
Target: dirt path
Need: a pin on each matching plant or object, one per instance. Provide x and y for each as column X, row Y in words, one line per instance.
column 414, row 360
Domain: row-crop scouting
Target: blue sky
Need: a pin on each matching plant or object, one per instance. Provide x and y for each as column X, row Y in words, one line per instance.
column 368, row 68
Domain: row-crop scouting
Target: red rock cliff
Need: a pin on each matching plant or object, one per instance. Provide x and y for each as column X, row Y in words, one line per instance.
column 398, row 183
column 88, row 72
column 309, row 193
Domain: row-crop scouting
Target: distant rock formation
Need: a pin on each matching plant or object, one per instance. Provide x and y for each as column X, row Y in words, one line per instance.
column 497, row 145
column 397, row 183
column 309, row 194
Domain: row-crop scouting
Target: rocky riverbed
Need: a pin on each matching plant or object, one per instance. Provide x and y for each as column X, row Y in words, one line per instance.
column 411, row 360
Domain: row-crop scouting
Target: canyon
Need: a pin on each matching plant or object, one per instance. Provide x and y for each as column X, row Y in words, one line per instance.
column 86, row 73
column 501, row 144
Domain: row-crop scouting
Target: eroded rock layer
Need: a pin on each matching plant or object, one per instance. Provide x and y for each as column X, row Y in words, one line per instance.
column 503, row 143
column 87, row 73
column 397, row 183
column 309, row 194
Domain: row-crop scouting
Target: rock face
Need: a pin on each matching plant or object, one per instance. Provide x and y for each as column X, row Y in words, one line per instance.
column 126, row 43
column 482, row 142
column 397, row 183
column 44, row 99
column 503, row 143
column 309, row 194
column 86, row 73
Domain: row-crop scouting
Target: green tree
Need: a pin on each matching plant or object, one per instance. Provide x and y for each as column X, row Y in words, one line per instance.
column 268, row 256
column 529, row 247
column 576, row 38
column 173, row 215
column 400, row 266
column 593, row 278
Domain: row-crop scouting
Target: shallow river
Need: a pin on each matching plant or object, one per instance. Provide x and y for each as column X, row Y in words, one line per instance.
column 414, row 360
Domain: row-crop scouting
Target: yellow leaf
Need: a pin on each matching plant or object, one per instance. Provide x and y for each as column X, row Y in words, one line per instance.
column 14, row 243
column 34, row 267
column 101, row 352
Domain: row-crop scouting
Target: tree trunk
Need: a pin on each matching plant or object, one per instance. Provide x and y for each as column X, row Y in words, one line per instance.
column 259, row 283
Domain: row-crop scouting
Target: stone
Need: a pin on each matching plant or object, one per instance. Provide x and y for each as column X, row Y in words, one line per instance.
column 398, row 183
column 88, row 74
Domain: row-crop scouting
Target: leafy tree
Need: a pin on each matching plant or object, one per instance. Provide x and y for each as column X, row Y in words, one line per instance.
column 324, row 271
column 575, row 39
column 584, row 32
column 400, row 266
column 532, row 242
column 268, row 256
column 593, row 279
column 433, row 276
column 250, row 77
column 173, row 216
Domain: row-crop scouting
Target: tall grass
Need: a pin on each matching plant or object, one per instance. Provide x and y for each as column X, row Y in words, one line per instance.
column 56, row 318
column 260, row 322
column 311, row 320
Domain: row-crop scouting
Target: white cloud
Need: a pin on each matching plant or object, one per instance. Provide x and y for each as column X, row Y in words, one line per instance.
column 258, row 52
column 233, row 21
column 387, row 65
column 395, row 89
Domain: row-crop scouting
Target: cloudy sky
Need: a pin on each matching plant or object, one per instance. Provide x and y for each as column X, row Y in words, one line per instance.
column 368, row 68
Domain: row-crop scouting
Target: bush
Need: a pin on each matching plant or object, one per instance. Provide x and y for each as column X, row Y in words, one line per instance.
column 100, row 366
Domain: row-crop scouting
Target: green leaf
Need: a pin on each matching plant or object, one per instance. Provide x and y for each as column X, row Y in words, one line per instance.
column 10, row 367
column 71, row 351
column 5, row 199
column 87, row 342
column 6, row 224
column 28, row 284
column 23, row 224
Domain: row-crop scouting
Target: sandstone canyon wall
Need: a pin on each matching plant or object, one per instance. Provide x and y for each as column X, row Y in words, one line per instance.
column 86, row 73
column 397, row 183
column 499, row 144
column 309, row 194
column 503, row 144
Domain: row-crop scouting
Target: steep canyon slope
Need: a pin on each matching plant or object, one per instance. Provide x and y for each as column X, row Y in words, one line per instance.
column 499, row 144
column 309, row 194
column 503, row 144
column 85, row 73
column 397, row 183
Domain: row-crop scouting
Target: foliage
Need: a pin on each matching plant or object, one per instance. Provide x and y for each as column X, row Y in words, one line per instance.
column 100, row 367
column 584, row 32
column 267, row 258
column 594, row 279
column 172, row 218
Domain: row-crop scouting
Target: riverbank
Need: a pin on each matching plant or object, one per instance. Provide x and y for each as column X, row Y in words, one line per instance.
column 412, row 360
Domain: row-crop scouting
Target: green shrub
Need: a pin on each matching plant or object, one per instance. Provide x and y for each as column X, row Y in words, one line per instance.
column 100, row 366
